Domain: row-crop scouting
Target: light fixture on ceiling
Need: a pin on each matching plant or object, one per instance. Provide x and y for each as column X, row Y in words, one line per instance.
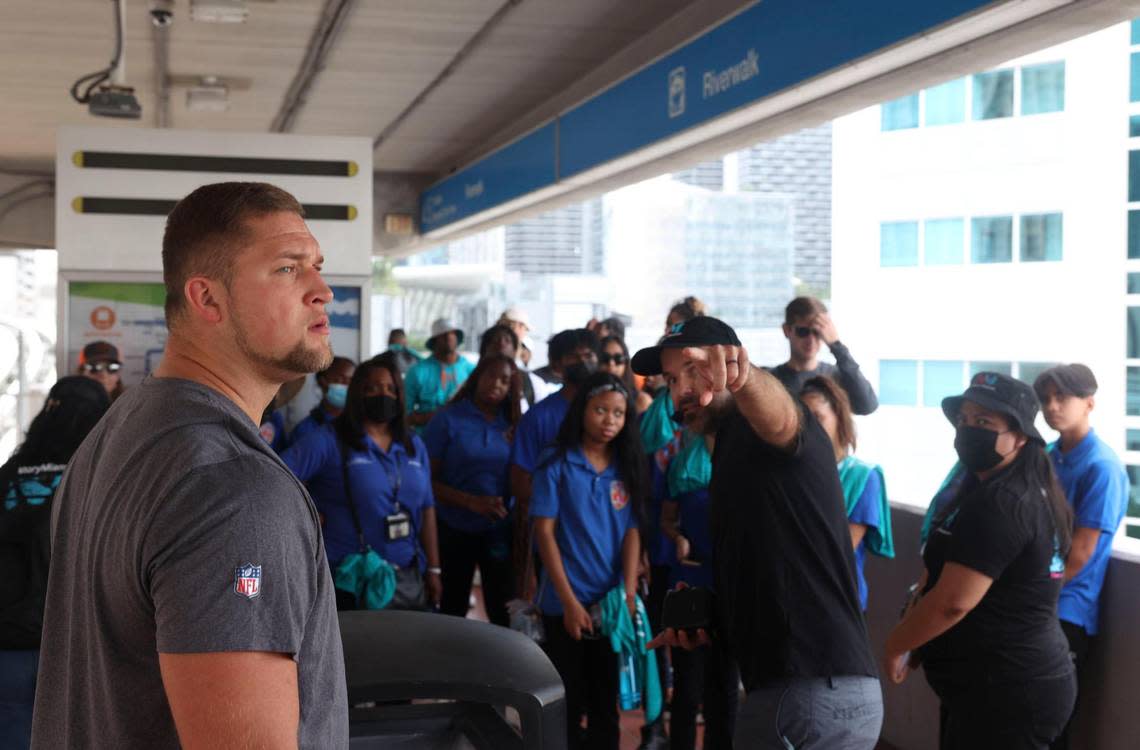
column 219, row 11
column 210, row 94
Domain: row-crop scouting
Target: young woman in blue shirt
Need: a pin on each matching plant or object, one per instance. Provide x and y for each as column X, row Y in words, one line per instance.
column 586, row 505
column 469, row 441
column 389, row 475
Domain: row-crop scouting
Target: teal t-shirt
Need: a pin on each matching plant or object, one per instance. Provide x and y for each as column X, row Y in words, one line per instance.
column 430, row 383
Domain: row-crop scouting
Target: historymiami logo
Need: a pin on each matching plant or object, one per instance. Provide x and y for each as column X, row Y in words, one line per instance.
column 676, row 92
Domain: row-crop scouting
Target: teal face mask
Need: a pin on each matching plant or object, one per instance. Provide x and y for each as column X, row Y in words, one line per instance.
column 336, row 395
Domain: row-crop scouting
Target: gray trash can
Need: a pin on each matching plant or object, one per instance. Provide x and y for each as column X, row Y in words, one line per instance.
column 473, row 671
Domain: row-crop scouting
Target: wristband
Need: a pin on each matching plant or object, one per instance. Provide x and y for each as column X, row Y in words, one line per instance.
column 436, row 571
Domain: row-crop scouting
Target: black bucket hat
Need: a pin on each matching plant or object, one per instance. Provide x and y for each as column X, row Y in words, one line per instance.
column 1007, row 396
column 700, row 331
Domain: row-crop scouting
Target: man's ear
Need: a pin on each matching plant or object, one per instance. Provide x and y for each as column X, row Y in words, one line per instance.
column 787, row 330
column 1091, row 401
column 203, row 299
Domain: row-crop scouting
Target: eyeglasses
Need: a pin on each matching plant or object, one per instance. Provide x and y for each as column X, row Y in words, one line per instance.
column 803, row 332
column 112, row 367
column 617, row 359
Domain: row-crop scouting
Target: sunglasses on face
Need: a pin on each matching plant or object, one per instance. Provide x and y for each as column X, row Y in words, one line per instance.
column 617, row 359
column 111, row 367
column 803, row 332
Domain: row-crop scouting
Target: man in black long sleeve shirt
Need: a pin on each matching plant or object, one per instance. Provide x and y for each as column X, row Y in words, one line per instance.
column 806, row 323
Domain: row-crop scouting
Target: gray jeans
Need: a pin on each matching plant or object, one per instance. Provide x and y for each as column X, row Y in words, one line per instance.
column 830, row 713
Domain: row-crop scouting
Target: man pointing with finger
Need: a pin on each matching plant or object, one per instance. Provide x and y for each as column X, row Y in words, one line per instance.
column 783, row 566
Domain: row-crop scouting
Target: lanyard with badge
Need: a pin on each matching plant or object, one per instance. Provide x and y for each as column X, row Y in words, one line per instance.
column 398, row 523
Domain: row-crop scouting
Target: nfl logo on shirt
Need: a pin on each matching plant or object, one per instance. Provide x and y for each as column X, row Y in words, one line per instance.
column 247, row 580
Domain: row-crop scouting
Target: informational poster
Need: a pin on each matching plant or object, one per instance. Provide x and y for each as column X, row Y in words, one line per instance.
column 130, row 316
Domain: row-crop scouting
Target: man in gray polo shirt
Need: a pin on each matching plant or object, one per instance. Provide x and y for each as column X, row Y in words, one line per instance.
column 189, row 601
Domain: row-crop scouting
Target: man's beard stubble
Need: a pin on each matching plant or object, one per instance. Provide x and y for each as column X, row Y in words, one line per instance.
column 300, row 360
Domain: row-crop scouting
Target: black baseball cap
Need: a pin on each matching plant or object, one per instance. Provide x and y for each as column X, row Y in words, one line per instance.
column 700, row 331
column 1003, row 394
column 1070, row 380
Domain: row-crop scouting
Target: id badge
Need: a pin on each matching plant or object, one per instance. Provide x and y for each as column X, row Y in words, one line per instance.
column 399, row 526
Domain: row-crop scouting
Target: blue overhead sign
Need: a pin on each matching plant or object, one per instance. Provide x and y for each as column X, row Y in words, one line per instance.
column 770, row 47
column 514, row 170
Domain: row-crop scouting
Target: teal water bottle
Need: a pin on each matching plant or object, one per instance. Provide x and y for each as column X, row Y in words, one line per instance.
column 629, row 671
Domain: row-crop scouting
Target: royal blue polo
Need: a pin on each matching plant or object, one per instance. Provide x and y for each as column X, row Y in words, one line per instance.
column 475, row 454
column 593, row 513
column 537, row 430
column 374, row 476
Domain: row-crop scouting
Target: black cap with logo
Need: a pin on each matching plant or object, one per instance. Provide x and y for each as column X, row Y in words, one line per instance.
column 1002, row 394
column 699, row 331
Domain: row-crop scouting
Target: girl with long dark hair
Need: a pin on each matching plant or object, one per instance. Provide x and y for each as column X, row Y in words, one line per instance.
column 986, row 626
column 589, row 491
column 28, row 481
column 388, row 499
column 469, row 442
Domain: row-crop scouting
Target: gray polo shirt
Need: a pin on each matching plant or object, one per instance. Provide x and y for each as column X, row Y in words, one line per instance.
column 177, row 530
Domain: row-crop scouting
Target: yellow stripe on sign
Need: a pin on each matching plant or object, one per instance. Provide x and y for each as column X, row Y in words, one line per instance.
column 77, row 205
column 353, row 168
column 77, row 158
column 351, row 213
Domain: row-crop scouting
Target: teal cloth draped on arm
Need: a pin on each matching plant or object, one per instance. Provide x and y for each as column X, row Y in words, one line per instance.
column 853, row 475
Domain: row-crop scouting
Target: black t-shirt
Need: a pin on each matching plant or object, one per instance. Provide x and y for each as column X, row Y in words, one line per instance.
column 783, row 563
column 1003, row 529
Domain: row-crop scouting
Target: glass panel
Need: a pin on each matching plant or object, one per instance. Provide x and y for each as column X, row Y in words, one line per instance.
column 1041, row 237
column 1132, row 396
column 1043, row 88
column 1136, row 31
column 946, row 104
column 993, row 95
column 898, row 382
column 991, row 239
column 1134, row 126
column 898, row 243
column 1133, row 176
column 1134, row 234
column 1134, row 78
column 1134, row 491
column 939, row 380
column 1005, row 368
column 1133, row 333
column 901, row 113
column 943, row 240
column 1132, row 440
column 1027, row 372
column 1133, row 282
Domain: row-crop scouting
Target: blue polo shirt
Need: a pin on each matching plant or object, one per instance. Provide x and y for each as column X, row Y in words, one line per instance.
column 690, row 472
column 537, row 430
column 593, row 513
column 316, row 419
column 1096, row 486
column 373, row 476
column 429, row 383
column 475, row 453
column 272, row 431
column 659, row 547
column 866, row 512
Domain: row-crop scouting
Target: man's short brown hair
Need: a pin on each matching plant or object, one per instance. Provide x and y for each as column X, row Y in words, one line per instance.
column 207, row 227
column 803, row 307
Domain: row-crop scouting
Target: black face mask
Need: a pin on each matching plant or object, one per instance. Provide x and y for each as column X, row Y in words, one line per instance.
column 381, row 409
column 577, row 373
column 976, row 447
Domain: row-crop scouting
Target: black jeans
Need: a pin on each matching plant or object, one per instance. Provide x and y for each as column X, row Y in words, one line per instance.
column 589, row 673
column 1009, row 716
column 658, row 587
column 459, row 553
column 708, row 676
column 1079, row 642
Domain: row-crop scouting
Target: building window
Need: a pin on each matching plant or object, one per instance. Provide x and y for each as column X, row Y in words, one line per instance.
column 1133, row 282
column 1133, row 530
column 1134, row 78
column 898, row 382
column 1027, row 372
column 1136, row 31
column 939, row 380
column 1134, row 126
column 1132, row 396
column 993, row 95
column 1043, row 88
column 1132, row 440
column 991, row 239
column 901, row 113
column 1133, row 349
column 1133, row 234
column 945, row 104
column 1005, row 368
column 1040, row 237
column 943, row 241
column 1133, row 176
column 898, row 243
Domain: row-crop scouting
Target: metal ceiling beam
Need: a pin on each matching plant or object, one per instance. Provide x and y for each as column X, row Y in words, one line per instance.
column 472, row 43
column 324, row 37
column 160, row 36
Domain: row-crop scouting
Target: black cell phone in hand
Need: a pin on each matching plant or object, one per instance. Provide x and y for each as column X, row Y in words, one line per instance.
column 690, row 609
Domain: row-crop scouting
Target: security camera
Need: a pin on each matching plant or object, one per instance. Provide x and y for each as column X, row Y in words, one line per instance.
column 162, row 12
